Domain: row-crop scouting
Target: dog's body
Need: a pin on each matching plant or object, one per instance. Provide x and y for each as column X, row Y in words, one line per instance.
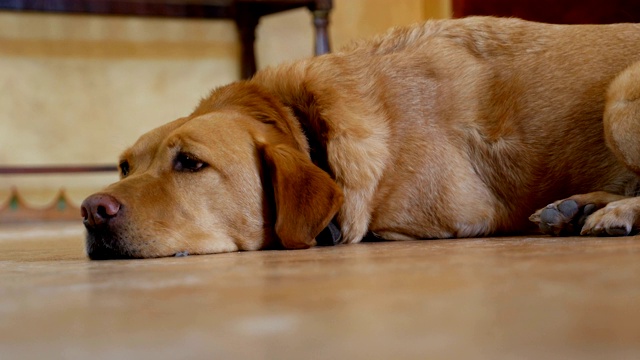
column 453, row 128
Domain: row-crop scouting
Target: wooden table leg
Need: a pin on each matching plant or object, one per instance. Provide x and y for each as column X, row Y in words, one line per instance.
column 247, row 23
column 321, row 22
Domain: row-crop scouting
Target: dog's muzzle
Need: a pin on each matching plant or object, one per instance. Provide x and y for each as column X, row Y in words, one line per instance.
column 101, row 215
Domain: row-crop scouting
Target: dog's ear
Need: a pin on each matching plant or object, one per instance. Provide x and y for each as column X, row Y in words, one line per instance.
column 306, row 198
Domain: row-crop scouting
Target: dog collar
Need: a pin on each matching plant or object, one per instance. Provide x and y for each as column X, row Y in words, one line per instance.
column 330, row 235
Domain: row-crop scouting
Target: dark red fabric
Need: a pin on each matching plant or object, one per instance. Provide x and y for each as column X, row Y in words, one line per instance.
column 554, row 11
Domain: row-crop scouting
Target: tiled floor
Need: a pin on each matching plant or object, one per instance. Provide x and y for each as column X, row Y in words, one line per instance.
column 499, row 298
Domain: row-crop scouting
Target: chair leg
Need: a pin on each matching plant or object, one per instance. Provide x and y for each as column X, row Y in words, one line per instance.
column 321, row 22
column 247, row 24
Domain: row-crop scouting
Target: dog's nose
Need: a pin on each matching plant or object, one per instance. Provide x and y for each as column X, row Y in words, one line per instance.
column 98, row 209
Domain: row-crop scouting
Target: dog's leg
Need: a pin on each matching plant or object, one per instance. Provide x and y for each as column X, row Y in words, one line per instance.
column 618, row 218
column 567, row 216
column 622, row 117
column 622, row 133
column 601, row 213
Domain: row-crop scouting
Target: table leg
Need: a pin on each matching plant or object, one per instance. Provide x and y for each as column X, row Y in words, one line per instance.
column 321, row 22
column 247, row 24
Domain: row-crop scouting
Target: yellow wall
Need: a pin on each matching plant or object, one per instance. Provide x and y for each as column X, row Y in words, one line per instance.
column 79, row 89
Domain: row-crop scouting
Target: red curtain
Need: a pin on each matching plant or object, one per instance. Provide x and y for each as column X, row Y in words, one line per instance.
column 554, row 11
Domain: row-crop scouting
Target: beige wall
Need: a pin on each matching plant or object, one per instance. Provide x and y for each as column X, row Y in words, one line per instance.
column 79, row 89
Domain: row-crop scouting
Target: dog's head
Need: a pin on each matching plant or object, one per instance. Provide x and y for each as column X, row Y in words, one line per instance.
column 234, row 175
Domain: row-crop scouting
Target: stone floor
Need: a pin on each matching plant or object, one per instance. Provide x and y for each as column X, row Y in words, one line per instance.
column 495, row 298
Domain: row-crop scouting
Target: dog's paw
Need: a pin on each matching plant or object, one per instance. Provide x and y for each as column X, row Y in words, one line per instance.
column 619, row 218
column 563, row 217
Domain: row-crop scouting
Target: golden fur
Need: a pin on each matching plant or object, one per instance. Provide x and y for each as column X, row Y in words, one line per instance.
column 452, row 128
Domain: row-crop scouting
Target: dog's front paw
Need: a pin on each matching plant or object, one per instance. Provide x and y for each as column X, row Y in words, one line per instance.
column 619, row 218
column 568, row 216
column 563, row 218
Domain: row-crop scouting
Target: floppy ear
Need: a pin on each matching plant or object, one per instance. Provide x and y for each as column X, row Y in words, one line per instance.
column 306, row 197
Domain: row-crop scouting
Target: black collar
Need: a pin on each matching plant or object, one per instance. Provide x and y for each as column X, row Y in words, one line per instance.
column 330, row 235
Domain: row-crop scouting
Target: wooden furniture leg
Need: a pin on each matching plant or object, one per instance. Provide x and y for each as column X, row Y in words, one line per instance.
column 247, row 22
column 321, row 22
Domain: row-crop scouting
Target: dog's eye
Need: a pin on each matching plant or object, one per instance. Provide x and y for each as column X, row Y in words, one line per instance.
column 124, row 168
column 188, row 162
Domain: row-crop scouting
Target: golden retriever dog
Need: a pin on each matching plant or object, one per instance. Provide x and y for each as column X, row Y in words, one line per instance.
column 453, row 128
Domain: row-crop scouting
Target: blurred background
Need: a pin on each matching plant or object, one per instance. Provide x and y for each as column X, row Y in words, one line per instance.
column 79, row 89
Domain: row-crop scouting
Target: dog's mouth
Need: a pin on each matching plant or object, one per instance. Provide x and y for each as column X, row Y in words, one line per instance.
column 107, row 254
column 101, row 246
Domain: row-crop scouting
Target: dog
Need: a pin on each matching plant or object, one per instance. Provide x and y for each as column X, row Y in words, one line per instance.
column 451, row 128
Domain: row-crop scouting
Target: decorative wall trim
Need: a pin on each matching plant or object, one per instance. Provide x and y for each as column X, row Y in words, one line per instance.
column 16, row 210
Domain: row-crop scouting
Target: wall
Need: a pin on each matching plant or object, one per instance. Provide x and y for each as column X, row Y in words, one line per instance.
column 80, row 89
